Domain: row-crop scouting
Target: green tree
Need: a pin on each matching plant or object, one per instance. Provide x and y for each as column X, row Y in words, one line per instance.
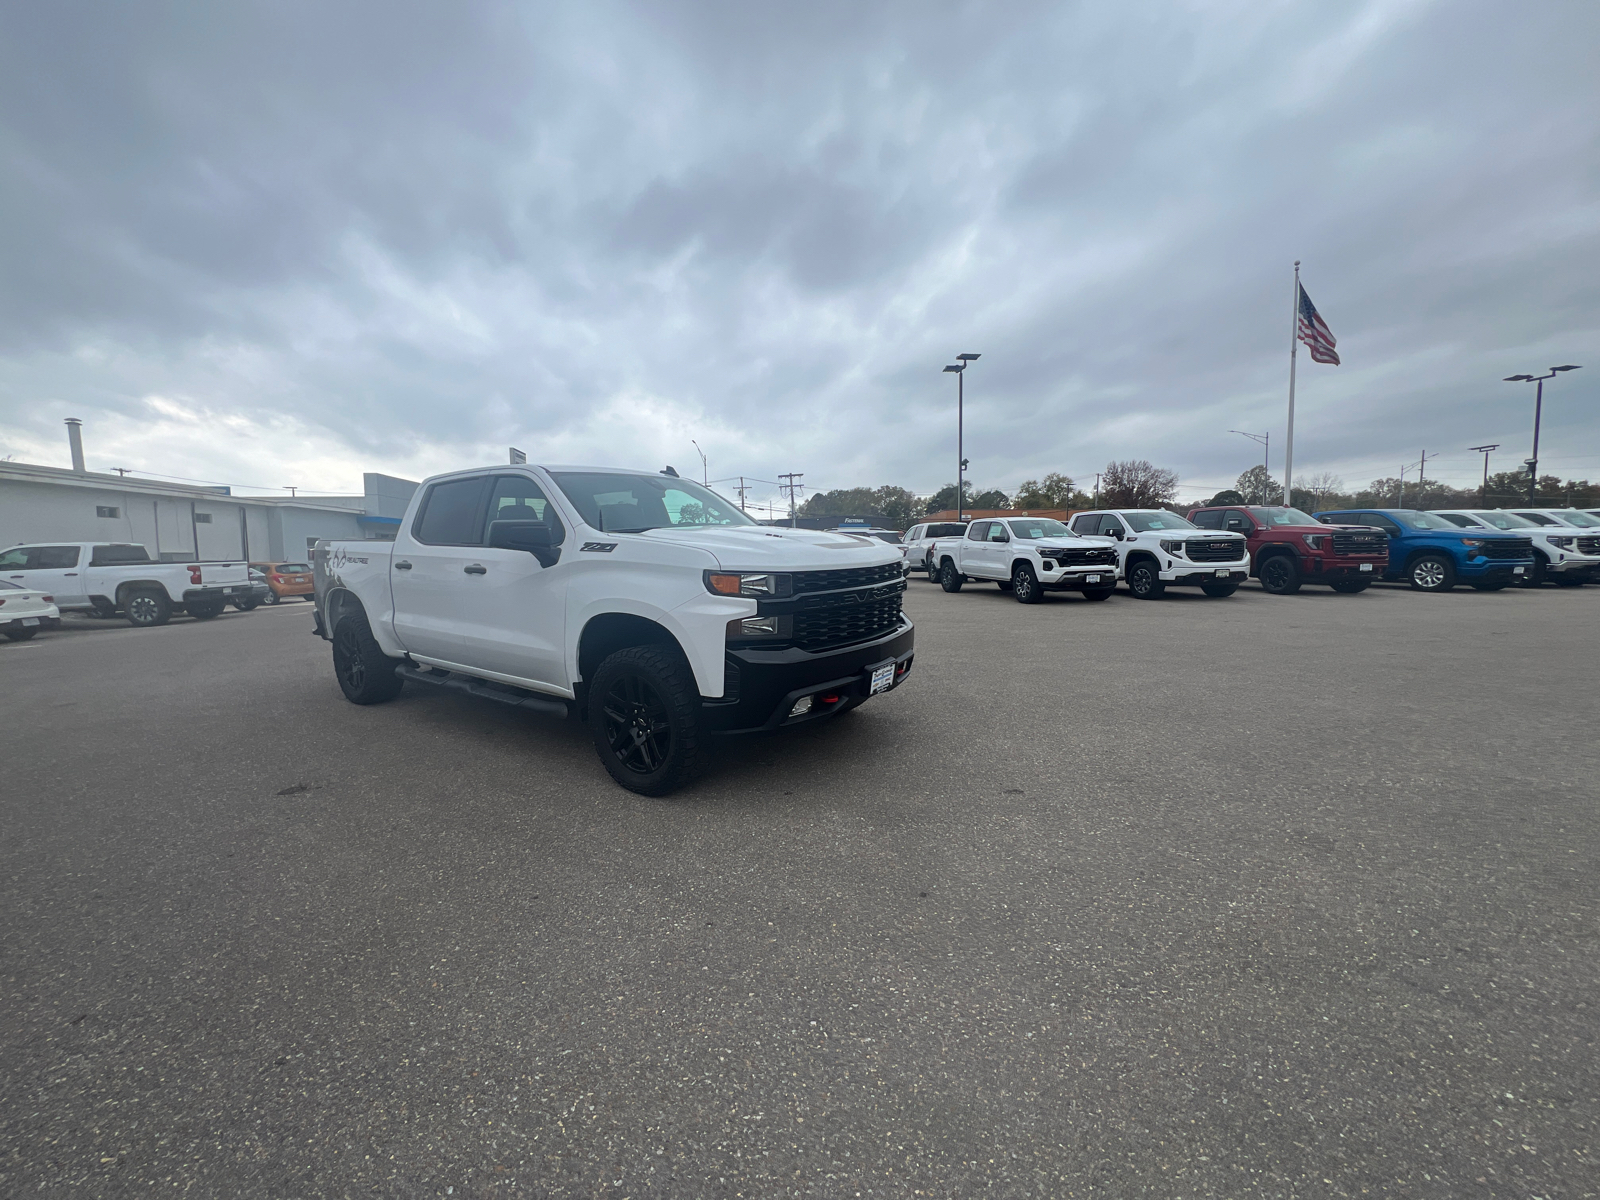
column 1257, row 486
column 1225, row 496
column 944, row 500
column 897, row 505
column 1137, row 484
column 993, row 498
column 1055, row 490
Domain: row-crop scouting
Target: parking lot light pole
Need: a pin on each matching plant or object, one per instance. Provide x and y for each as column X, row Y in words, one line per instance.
column 1483, row 494
column 963, row 361
column 1266, row 441
column 1538, row 409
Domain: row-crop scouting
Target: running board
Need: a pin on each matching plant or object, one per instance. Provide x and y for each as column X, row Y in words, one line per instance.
column 514, row 697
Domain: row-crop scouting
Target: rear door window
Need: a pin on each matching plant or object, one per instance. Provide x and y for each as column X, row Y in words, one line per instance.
column 452, row 513
column 118, row 555
column 1086, row 524
column 1208, row 520
column 54, row 558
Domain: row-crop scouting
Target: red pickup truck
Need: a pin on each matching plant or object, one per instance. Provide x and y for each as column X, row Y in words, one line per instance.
column 1289, row 548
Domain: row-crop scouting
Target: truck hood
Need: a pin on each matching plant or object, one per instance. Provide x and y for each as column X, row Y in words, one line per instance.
column 743, row 547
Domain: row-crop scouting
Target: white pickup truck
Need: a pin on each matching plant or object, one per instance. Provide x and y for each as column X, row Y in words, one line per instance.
column 1027, row 556
column 112, row 577
column 650, row 605
column 1158, row 548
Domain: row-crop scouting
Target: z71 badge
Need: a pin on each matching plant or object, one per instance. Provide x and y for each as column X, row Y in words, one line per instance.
column 597, row 547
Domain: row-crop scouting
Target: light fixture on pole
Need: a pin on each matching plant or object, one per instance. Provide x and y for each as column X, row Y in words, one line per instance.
column 963, row 361
column 1483, row 496
column 1538, row 409
column 705, row 475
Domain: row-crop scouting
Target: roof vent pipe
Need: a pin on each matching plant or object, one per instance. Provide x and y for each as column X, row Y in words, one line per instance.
column 75, row 439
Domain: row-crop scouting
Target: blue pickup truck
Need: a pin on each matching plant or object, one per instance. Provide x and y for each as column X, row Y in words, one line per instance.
column 1433, row 555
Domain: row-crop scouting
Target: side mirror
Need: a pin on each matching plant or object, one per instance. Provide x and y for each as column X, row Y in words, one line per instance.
column 532, row 537
column 1116, row 533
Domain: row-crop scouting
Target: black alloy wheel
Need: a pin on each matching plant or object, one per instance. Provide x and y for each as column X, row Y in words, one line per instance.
column 1432, row 573
column 1219, row 590
column 949, row 578
column 1280, row 575
column 1025, row 585
column 1098, row 593
column 146, row 608
column 1144, row 580
column 644, row 715
column 1350, row 586
column 366, row 674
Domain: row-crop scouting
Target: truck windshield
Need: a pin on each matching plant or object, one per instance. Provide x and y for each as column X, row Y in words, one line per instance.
column 1035, row 528
column 1424, row 520
column 1504, row 520
column 1145, row 522
column 1581, row 519
column 635, row 503
column 1282, row 516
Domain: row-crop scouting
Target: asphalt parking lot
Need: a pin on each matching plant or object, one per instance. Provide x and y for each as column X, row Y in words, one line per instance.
column 1260, row 896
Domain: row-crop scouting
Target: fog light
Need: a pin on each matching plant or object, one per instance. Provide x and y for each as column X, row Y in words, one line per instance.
column 801, row 707
column 758, row 625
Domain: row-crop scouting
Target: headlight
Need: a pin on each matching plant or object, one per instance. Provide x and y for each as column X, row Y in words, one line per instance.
column 1315, row 540
column 1472, row 543
column 1172, row 547
column 1564, row 542
column 725, row 583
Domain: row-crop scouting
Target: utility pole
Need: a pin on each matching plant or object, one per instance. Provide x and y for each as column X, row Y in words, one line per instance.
column 1422, row 475
column 1266, row 441
column 122, row 471
column 1401, row 502
column 1097, row 489
column 742, row 490
column 291, row 490
column 793, row 487
column 705, row 475
column 1483, row 494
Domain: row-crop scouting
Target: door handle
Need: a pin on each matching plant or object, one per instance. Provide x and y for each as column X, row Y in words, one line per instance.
column 475, row 569
column 72, row 574
column 402, row 566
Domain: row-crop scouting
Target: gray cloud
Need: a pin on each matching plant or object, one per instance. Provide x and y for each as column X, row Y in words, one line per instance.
column 402, row 236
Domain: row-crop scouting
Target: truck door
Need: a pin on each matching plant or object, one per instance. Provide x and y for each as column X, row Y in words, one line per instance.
column 997, row 551
column 56, row 570
column 429, row 574
column 513, row 609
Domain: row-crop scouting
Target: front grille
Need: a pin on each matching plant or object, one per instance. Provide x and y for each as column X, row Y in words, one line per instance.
column 1507, row 548
column 850, row 577
column 1226, row 551
column 1074, row 558
column 838, row 620
column 1361, row 543
column 1587, row 545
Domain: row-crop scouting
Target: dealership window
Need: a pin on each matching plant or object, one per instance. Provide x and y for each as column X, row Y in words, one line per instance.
column 105, row 510
column 202, row 518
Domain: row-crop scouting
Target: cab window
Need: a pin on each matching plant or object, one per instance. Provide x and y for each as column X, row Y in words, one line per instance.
column 978, row 531
column 997, row 532
column 1238, row 521
column 452, row 513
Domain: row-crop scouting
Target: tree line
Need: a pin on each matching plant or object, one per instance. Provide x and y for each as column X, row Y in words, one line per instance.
column 1504, row 489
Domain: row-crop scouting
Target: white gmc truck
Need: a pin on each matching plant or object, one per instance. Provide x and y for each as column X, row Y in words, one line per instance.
column 646, row 604
column 1027, row 556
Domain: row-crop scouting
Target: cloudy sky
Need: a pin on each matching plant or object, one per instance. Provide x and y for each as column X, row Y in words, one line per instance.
column 285, row 243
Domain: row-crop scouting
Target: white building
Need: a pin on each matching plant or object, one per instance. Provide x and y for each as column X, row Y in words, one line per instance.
column 177, row 521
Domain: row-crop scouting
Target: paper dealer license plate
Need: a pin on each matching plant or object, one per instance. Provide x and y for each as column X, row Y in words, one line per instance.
column 1091, row 579
column 882, row 679
column 1366, row 566
column 1223, row 574
column 30, row 620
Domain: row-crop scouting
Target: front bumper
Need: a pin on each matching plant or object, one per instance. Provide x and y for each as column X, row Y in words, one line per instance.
column 1493, row 569
column 1196, row 573
column 1076, row 578
column 1327, row 570
column 761, row 687
column 1577, row 568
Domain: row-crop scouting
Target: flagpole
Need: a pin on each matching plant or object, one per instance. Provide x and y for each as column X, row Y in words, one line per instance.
column 1294, row 329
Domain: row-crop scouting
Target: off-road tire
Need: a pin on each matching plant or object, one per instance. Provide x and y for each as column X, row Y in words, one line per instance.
column 1219, row 591
column 1280, row 575
column 1351, row 586
column 365, row 673
column 146, row 608
column 1431, row 573
column 204, row 610
column 949, row 578
column 1025, row 585
column 644, row 715
column 1098, row 593
column 1143, row 578
column 20, row 635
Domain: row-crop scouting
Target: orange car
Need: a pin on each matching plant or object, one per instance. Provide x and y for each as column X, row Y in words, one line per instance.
column 286, row 580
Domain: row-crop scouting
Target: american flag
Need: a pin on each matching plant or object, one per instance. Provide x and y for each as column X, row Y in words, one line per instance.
column 1314, row 332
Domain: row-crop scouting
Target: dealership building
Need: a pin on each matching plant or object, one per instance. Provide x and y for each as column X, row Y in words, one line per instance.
column 183, row 521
